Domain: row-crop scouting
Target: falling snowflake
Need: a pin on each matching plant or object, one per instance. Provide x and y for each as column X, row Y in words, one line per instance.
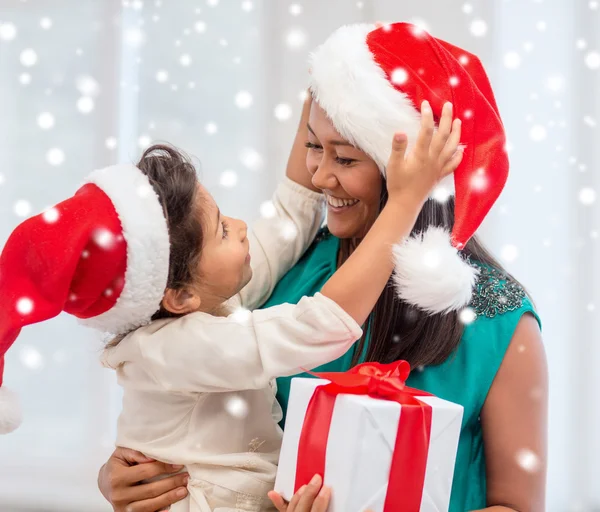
column 247, row 5
column 28, row 57
column 283, row 111
column 555, row 83
column 267, row 210
column 581, row 44
column 46, row 23
column 541, row 26
column 396, row 338
column 479, row 180
column 7, row 31
column 111, row 143
column 24, row 305
column 441, row 193
column 592, row 60
column 289, row 231
column 538, row 132
column 243, row 99
column 55, row 156
column 25, row 78
column 509, row 253
column 453, row 81
column 296, row 38
column 228, row 179
column 211, row 128
column 85, row 104
column 137, row 5
column 241, row 315
column 528, row 46
column 31, row 358
column 1, row 178
column 478, row 28
column 467, row 316
column 212, row 3
column 134, row 36
column 593, row 5
column 528, row 460
column 421, row 26
column 45, row 120
column 236, row 406
column 512, row 60
column 87, row 85
column 22, row 208
column 251, row 159
column 303, row 95
column 587, row 196
column 51, row 215
column 295, row 9
column 144, row 141
column 590, row 121
column 162, row 76
column 467, row 8
column 104, row 238
column 590, row 307
column 399, row 76
column 185, row 60
column 200, row 27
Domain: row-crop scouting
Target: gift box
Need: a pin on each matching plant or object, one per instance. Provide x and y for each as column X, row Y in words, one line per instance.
column 379, row 444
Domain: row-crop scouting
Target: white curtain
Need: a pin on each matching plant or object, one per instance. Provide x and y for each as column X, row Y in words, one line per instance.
column 85, row 83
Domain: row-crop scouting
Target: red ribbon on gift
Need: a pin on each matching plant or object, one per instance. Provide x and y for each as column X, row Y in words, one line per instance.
column 383, row 382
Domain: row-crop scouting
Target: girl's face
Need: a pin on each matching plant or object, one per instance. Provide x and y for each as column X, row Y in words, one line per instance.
column 224, row 267
column 349, row 178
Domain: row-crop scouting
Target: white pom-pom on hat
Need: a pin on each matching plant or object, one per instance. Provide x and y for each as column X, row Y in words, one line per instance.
column 10, row 411
column 431, row 274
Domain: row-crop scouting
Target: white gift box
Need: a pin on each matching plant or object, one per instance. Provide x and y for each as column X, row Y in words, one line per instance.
column 360, row 445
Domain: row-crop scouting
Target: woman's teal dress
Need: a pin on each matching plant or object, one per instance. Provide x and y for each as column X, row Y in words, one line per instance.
column 464, row 378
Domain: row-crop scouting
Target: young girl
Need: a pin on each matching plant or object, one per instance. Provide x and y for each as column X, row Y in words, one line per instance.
column 197, row 382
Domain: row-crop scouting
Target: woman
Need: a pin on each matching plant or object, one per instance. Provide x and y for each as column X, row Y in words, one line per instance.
column 494, row 365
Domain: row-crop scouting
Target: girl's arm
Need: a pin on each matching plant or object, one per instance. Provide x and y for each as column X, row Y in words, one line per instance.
column 514, row 421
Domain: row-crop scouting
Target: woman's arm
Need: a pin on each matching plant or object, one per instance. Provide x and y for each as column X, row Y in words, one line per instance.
column 120, row 482
column 296, row 166
column 514, row 422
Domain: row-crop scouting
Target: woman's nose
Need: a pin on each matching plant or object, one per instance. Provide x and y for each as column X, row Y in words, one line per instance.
column 323, row 177
column 243, row 230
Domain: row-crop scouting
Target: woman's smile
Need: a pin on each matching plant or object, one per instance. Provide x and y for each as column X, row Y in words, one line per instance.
column 339, row 204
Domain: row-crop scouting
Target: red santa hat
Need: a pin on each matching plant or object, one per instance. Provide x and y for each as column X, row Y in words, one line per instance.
column 371, row 82
column 101, row 255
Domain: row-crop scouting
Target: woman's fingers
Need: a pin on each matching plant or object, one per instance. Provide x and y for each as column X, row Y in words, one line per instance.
column 426, row 131
column 308, row 496
column 443, row 132
column 131, row 457
column 451, row 146
column 136, row 474
column 159, row 503
column 279, row 503
column 154, row 489
column 322, row 500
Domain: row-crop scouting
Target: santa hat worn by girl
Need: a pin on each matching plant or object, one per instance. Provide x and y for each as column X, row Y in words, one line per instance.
column 101, row 255
column 371, row 82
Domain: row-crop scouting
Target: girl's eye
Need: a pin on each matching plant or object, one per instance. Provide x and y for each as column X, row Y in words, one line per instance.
column 225, row 229
column 315, row 147
column 345, row 161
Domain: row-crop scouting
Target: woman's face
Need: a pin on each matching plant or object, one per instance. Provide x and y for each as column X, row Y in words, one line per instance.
column 349, row 178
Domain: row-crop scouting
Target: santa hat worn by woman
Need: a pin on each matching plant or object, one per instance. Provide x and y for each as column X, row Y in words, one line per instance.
column 101, row 255
column 371, row 82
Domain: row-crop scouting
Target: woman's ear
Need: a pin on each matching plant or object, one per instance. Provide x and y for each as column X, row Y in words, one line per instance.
column 180, row 302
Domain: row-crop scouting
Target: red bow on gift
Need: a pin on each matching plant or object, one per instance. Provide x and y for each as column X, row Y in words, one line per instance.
column 383, row 382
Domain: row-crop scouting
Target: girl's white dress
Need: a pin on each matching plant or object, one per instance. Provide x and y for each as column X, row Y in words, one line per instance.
column 199, row 390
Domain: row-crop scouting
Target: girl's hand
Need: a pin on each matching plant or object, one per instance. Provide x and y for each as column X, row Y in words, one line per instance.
column 121, row 482
column 434, row 156
column 313, row 497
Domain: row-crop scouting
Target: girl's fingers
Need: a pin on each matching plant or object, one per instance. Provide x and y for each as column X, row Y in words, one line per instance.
column 454, row 162
column 443, row 132
column 154, row 489
column 399, row 145
column 426, row 131
column 292, row 507
column 160, row 503
column 279, row 503
column 452, row 143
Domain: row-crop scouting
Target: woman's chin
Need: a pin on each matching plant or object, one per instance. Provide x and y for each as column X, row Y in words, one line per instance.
column 341, row 229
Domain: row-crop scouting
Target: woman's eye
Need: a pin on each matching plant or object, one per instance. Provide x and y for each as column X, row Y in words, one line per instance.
column 315, row 147
column 225, row 229
column 344, row 161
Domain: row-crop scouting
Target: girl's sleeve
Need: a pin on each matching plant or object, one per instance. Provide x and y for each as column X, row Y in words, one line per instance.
column 279, row 241
column 201, row 353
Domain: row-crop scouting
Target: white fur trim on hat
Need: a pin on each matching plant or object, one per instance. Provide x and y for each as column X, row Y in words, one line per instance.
column 10, row 411
column 430, row 273
column 357, row 96
column 146, row 232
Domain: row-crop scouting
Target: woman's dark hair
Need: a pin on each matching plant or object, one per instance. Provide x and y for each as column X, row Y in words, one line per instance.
column 173, row 178
column 398, row 330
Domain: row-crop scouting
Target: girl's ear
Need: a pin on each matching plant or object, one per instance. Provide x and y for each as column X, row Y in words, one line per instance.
column 180, row 302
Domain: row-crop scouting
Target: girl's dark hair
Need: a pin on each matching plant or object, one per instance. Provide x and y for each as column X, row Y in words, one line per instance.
column 173, row 178
column 401, row 331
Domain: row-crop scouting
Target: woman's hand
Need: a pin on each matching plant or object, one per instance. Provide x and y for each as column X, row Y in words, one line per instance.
column 121, row 482
column 313, row 497
column 434, row 156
